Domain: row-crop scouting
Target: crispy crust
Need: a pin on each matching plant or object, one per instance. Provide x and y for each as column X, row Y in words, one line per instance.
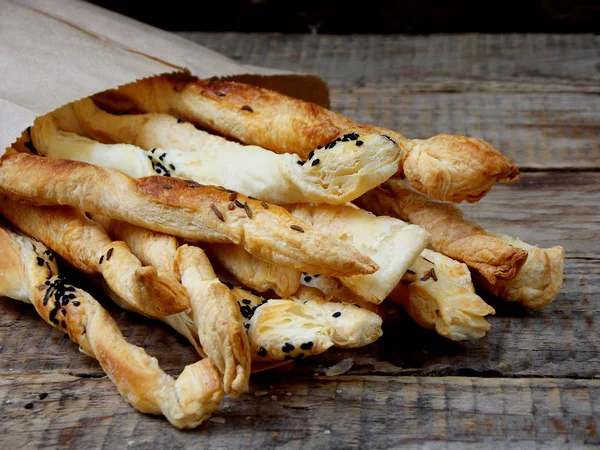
column 451, row 234
column 217, row 316
column 333, row 175
column 181, row 208
column 446, row 167
column 185, row 402
column 538, row 282
column 255, row 273
column 439, row 301
column 85, row 245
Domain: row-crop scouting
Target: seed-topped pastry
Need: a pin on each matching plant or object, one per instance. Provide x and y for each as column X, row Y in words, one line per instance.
column 181, row 208
column 151, row 144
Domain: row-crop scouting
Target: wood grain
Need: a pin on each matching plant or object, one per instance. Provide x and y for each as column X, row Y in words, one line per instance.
column 535, row 97
column 314, row 412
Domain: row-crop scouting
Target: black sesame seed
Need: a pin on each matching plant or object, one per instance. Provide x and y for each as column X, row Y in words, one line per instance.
column 247, row 326
column 221, row 94
column 66, row 336
column 253, row 292
column 172, row 166
column 76, row 303
column 229, row 285
column 180, row 120
column 40, row 261
column 299, row 356
column 336, row 314
column 307, row 279
column 162, row 157
column 311, row 154
column 247, row 108
column 63, row 324
column 301, row 162
column 43, row 395
column 287, row 347
column 317, row 275
column 262, row 352
column 109, row 253
column 359, row 143
column 246, row 301
column 387, row 137
column 357, row 305
column 101, row 259
column 315, row 162
column 297, row 228
column 307, row 345
column 153, row 150
column 150, row 157
column 29, row 406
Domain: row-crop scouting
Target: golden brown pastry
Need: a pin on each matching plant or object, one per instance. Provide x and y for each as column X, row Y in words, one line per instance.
column 391, row 243
column 181, row 208
column 162, row 144
column 86, row 246
column 439, row 302
column 451, row 234
column 185, row 402
column 538, row 281
column 217, row 316
column 446, row 167
column 459, row 272
column 255, row 273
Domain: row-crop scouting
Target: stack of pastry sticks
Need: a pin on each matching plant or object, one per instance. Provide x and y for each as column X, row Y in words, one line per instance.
column 317, row 219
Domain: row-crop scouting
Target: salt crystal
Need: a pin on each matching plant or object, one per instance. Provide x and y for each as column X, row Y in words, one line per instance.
column 340, row 368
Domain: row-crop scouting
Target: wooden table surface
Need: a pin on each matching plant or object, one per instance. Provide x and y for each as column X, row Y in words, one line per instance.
column 533, row 381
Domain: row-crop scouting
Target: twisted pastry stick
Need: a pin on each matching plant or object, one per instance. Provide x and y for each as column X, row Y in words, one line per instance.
column 538, row 282
column 435, row 297
column 218, row 319
column 336, row 175
column 446, row 167
column 185, row 402
column 181, row 208
column 451, row 234
column 87, row 247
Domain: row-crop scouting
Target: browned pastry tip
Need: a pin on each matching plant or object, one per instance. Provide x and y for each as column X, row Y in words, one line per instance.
column 185, row 402
column 181, row 208
column 451, row 234
column 456, row 168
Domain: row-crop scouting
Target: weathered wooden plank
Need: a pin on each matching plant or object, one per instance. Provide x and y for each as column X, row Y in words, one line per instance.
column 515, row 91
column 468, row 62
column 313, row 412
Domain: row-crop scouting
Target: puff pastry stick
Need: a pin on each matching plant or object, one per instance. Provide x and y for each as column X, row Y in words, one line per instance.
column 160, row 143
column 181, row 208
column 86, row 246
column 391, row 243
column 446, row 167
column 185, row 402
column 539, row 280
column 217, row 315
column 436, row 300
column 255, row 273
column 451, row 234
column 458, row 271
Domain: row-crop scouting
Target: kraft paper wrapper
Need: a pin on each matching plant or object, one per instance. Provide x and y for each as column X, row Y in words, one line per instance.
column 56, row 52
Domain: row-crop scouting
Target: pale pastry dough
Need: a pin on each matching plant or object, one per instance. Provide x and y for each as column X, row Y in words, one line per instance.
column 458, row 271
column 217, row 316
column 255, row 273
column 85, row 245
column 334, row 175
column 353, row 326
column 391, row 243
column 446, row 167
column 185, row 402
column 181, row 208
column 451, row 234
column 539, row 280
column 437, row 301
